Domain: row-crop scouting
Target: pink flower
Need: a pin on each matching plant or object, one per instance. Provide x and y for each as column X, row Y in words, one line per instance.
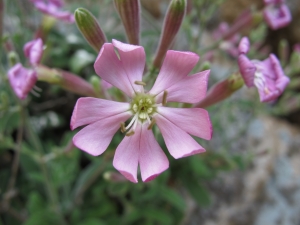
column 33, row 50
column 266, row 75
column 21, row 80
column 53, row 8
column 277, row 14
column 139, row 147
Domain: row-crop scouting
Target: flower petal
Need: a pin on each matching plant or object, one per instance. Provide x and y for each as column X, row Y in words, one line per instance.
column 33, row 50
column 89, row 110
column 127, row 155
column 152, row 159
column 21, row 80
column 179, row 143
column 133, row 59
column 95, row 138
column 110, row 68
column 194, row 121
column 190, row 89
column 244, row 46
column 176, row 66
column 247, row 70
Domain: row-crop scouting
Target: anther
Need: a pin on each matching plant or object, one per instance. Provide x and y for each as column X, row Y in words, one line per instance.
column 135, row 108
column 130, row 133
column 123, row 129
column 143, row 115
column 151, row 124
column 140, row 83
column 164, row 100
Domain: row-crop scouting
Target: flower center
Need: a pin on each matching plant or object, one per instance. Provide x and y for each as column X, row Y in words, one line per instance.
column 143, row 107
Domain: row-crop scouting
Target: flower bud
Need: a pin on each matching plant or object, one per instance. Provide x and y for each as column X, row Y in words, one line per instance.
column 90, row 29
column 172, row 23
column 205, row 66
column 114, row 177
column 95, row 82
column 66, row 80
column 129, row 11
column 221, row 90
column 13, row 58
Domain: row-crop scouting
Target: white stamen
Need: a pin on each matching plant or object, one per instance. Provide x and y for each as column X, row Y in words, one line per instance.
column 148, row 101
column 143, row 115
column 134, row 125
column 132, row 121
column 259, row 80
column 148, row 118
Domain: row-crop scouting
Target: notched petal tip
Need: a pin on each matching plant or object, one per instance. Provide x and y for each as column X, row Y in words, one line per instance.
column 151, row 178
column 129, row 176
column 124, row 47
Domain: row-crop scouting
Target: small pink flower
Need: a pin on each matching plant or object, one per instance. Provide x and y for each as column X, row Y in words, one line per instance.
column 266, row 75
column 277, row 14
column 33, row 50
column 21, row 80
column 53, row 8
column 139, row 147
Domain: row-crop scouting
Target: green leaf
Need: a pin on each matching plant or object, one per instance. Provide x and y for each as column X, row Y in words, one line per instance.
column 81, row 59
column 199, row 193
column 172, row 197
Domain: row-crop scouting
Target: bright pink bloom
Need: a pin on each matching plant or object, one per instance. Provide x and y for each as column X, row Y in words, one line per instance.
column 33, row 50
column 21, row 80
column 53, row 8
column 277, row 14
column 267, row 75
column 139, row 147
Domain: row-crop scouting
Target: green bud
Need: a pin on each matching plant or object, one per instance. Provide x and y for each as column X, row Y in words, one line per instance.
column 222, row 90
column 90, row 29
column 114, row 177
column 95, row 82
column 172, row 24
column 129, row 12
column 13, row 58
column 235, row 82
column 205, row 66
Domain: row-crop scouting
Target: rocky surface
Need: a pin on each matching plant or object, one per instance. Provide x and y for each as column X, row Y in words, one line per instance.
column 268, row 193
